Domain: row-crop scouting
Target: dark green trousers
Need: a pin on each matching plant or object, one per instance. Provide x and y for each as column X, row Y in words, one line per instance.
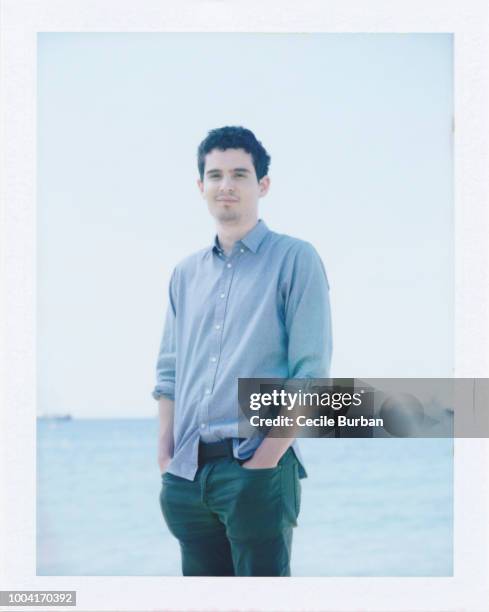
column 234, row 521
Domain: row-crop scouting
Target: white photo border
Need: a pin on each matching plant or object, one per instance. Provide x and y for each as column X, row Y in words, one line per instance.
column 21, row 21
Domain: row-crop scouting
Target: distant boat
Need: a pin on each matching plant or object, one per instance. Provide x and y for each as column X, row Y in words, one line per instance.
column 55, row 417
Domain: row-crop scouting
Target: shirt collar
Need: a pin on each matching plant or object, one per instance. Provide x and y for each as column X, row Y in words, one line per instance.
column 255, row 237
column 252, row 240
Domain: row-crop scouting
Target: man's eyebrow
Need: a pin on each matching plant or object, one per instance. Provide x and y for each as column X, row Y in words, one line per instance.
column 234, row 170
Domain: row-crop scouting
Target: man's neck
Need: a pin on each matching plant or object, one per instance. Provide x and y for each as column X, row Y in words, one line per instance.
column 228, row 235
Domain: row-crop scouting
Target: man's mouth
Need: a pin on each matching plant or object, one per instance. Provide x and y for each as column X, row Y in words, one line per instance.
column 227, row 199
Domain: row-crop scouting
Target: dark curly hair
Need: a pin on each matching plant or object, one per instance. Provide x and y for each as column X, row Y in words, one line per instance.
column 234, row 137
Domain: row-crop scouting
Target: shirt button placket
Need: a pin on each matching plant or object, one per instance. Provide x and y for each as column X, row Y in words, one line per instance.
column 217, row 335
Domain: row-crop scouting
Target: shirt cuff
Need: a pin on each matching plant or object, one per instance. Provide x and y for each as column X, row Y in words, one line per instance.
column 164, row 391
column 294, row 385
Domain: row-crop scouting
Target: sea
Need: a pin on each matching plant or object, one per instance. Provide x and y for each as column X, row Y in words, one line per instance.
column 370, row 507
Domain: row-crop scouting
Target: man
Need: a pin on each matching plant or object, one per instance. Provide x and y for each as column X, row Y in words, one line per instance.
column 253, row 305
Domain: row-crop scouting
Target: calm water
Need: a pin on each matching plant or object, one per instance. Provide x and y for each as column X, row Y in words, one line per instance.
column 369, row 507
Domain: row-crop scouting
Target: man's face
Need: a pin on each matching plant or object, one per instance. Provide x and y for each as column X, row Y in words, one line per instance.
column 230, row 186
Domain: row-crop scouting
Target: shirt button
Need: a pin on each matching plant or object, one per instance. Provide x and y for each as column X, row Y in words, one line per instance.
column 241, row 250
column 213, row 359
column 218, row 327
column 202, row 425
column 222, row 296
column 229, row 265
column 207, row 391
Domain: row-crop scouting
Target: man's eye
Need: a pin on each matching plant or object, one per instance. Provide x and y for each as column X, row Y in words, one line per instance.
column 240, row 175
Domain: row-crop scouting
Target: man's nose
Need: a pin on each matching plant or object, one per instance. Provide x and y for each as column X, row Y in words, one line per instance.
column 227, row 184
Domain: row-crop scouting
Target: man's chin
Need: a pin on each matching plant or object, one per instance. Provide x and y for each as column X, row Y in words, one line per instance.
column 227, row 216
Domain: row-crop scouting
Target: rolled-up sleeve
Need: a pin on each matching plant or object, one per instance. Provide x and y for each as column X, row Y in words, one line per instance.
column 166, row 363
column 308, row 316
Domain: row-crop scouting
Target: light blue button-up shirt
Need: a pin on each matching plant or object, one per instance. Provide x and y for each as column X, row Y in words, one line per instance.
column 262, row 312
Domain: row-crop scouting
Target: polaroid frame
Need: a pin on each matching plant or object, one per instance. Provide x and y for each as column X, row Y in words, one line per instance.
column 468, row 589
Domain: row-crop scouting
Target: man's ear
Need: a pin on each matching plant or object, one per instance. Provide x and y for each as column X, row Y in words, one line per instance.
column 200, row 185
column 264, row 184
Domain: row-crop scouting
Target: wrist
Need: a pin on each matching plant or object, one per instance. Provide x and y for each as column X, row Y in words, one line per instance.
column 263, row 460
column 165, row 449
column 266, row 455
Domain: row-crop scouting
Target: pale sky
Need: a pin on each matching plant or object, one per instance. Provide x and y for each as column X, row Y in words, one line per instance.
column 359, row 128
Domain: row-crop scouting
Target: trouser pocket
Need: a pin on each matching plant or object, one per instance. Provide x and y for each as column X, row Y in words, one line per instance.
column 297, row 489
column 291, row 487
column 265, row 501
column 179, row 503
column 254, row 503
